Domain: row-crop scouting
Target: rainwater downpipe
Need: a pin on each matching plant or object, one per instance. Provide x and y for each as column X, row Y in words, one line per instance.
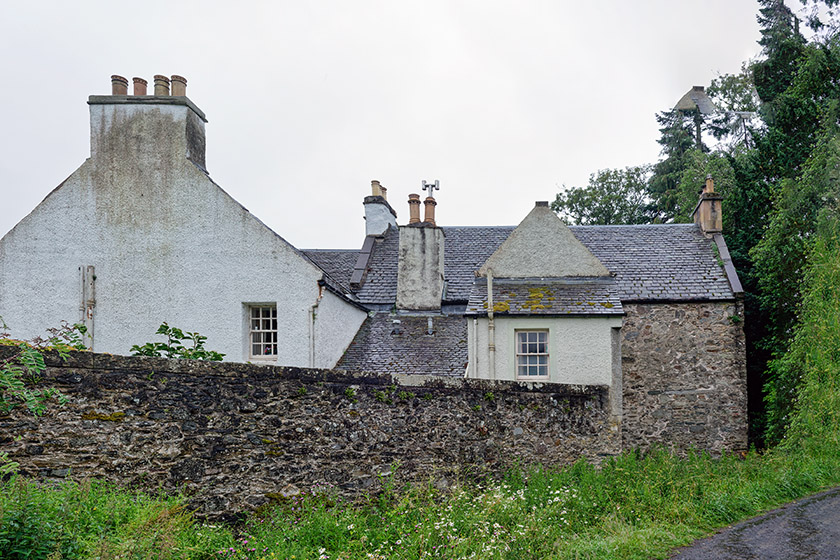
column 491, row 326
column 312, row 313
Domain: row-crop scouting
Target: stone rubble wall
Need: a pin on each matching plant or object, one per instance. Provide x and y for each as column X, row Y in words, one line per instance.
column 684, row 376
column 234, row 436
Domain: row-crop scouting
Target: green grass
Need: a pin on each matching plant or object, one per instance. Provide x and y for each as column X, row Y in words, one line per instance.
column 634, row 506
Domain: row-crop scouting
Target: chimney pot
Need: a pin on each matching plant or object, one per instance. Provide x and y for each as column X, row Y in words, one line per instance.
column 179, row 85
column 119, row 85
column 161, row 85
column 375, row 188
column 710, row 185
column 384, row 192
column 429, row 207
column 139, row 86
column 414, row 209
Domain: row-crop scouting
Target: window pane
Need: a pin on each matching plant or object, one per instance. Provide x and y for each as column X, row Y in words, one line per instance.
column 263, row 330
column 532, row 353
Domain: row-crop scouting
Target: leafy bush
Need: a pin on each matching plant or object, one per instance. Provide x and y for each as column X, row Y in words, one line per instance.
column 174, row 347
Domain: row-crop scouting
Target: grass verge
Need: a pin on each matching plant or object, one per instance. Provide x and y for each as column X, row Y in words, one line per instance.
column 634, row 506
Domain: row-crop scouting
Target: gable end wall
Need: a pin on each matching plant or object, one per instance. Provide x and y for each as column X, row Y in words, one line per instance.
column 684, row 376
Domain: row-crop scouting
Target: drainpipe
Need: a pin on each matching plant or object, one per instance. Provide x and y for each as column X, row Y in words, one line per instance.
column 472, row 368
column 312, row 312
column 491, row 326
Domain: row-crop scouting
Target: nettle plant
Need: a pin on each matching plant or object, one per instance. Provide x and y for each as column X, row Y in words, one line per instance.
column 174, row 346
column 23, row 369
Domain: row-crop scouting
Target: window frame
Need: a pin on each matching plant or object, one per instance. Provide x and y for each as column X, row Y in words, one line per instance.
column 517, row 354
column 271, row 317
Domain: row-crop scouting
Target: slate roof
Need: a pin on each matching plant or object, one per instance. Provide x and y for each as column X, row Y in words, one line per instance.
column 337, row 263
column 589, row 296
column 395, row 343
column 664, row 262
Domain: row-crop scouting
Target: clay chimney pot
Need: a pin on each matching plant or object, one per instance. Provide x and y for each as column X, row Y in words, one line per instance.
column 161, row 85
column 179, row 86
column 119, row 85
column 139, row 86
column 429, row 213
column 414, row 209
column 375, row 188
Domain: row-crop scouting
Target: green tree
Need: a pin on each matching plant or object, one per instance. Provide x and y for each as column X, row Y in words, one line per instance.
column 677, row 139
column 613, row 196
column 737, row 101
column 697, row 166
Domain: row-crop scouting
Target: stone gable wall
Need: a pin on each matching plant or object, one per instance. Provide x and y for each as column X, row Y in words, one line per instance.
column 233, row 436
column 684, row 376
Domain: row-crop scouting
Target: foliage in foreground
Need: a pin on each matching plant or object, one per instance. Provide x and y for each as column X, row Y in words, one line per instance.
column 635, row 506
column 174, row 346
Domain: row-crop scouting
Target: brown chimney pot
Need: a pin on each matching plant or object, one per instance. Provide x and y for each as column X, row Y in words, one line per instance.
column 119, row 85
column 161, row 85
column 429, row 210
column 375, row 188
column 179, row 85
column 414, row 209
column 139, row 86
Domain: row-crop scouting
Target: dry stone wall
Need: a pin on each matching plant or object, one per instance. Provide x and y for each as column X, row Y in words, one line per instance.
column 234, row 436
column 684, row 376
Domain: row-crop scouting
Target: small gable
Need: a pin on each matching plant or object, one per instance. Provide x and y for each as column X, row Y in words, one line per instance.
column 542, row 246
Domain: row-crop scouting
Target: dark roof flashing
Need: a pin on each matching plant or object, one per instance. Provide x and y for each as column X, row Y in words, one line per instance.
column 376, row 199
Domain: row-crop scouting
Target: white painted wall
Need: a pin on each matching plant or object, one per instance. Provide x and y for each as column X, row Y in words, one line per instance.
column 166, row 242
column 580, row 348
column 378, row 217
column 336, row 323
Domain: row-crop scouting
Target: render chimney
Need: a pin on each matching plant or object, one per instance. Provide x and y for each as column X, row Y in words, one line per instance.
column 414, row 209
column 378, row 213
column 139, row 86
column 179, row 86
column 161, row 85
column 429, row 210
column 707, row 213
column 119, row 85
column 420, row 267
column 130, row 129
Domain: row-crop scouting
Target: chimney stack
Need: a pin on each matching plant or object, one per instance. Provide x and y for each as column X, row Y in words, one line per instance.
column 414, row 209
column 119, row 85
column 161, row 85
column 179, row 86
column 178, row 134
column 378, row 213
column 139, row 86
column 707, row 213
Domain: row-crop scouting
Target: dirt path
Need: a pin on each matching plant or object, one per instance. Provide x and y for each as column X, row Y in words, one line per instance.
column 807, row 528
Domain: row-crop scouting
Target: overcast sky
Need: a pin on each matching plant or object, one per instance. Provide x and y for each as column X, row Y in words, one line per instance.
column 503, row 102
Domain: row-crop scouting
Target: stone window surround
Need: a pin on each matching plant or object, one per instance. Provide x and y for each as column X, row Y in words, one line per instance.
column 519, row 354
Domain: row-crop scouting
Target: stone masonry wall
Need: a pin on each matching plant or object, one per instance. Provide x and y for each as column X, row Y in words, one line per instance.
column 234, row 436
column 684, row 376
